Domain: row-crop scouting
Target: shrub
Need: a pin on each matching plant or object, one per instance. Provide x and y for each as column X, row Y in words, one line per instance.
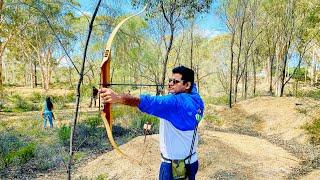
column 49, row 156
column 94, row 121
column 90, row 137
column 221, row 100
column 64, row 135
column 139, row 121
column 15, row 151
column 312, row 94
column 59, row 102
column 87, row 136
column 36, row 97
column 22, row 105
column 9, row 143
column 122, row 111
column 21, row 155
column 313, row 130
column 299, row 73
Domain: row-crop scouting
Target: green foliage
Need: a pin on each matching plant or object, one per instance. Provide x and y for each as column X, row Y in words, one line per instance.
column 48, row 156
column 186, row 8
column 89, row 137
column 22, row 105
column 315, row 94
column 220, row 100
column 64, row 135
column 21, row 155
column 14, row 150
column 102, row 177
column 17, row 150
column 313, row 130
column 86, row 90
column 299, row 74
column 139, row 121
column 94, row 121
column 59, row 102
column 36, row 97
column 122, row 111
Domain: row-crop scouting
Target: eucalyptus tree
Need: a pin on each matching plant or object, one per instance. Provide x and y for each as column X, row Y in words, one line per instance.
column 42, row 23
column 293, row 32
column 1, row 43
column 235, row 15
column 9, row 24
column 172, row 12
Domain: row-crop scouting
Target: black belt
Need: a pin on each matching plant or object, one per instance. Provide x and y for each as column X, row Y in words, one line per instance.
column 167, row 159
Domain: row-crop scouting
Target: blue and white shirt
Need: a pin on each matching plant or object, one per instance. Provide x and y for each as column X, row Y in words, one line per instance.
column 177, row 114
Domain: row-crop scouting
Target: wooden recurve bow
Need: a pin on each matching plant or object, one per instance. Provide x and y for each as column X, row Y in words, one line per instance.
column 105, row 80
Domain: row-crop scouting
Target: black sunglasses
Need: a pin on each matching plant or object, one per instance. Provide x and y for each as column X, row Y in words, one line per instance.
column 174, row 81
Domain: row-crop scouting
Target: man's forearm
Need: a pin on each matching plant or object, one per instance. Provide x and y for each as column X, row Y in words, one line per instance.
column 129, row 100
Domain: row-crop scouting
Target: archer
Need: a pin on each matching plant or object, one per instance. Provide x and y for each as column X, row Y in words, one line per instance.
column 179, row 112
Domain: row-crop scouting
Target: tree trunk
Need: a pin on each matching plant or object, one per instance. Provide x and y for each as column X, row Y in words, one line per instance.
column 246, row 81
column 270, row 67
column 1, row 80
column 231, row 70
column 164, row 70
column 254, row 76
column 35, row 74
column 283, row 75
column 313, row 69
column 191, row 44
column 239, row 55
column 198, row 79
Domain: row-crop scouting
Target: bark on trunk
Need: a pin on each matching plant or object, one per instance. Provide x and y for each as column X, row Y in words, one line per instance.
column 1, row 45
column 164, row 70
column 231, row 70
column 239, row 55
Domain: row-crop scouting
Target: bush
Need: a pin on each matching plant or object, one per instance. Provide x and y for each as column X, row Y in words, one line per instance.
column 138, row 122
column 22, row 105
column 122, row 111
column 299, row 74
column 21, row 155
column 14, row 151
column 94, row 121
column 49, row 156
column 87, row 136
column 221, row 100
column 315, row 94
column 90, row 137
column 64, row 135
column 9, row 143
column 36, row 97
column 313, row 130
column 59, row 102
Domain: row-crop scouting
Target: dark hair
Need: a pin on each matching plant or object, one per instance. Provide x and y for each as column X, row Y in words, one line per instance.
column 187, row 74
column 49, row 103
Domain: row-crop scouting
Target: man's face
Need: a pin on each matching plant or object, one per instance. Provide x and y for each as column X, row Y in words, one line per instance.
column 176, row 85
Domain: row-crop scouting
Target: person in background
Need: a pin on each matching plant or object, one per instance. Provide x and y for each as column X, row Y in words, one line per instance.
column 94, row 96
column 47, row 112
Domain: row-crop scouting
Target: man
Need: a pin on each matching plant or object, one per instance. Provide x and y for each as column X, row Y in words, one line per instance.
column 94, row 96
column 179, row 113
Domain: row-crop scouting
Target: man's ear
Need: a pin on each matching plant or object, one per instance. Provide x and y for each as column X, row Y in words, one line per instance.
column 188, row 85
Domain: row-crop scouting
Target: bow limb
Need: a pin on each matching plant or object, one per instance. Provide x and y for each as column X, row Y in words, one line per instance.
column 105, row 80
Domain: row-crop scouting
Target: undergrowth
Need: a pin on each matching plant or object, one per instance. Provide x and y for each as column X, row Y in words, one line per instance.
column 313, row 130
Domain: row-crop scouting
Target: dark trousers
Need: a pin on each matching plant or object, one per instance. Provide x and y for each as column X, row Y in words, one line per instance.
column 94, row 99
column 166, row 171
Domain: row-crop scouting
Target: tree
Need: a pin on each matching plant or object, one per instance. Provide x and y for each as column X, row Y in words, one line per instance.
column 173, row 12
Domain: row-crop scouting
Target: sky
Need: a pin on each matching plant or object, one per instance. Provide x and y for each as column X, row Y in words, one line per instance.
column 209, row 25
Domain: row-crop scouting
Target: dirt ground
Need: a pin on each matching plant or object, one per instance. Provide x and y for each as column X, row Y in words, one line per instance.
column 259, row 138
